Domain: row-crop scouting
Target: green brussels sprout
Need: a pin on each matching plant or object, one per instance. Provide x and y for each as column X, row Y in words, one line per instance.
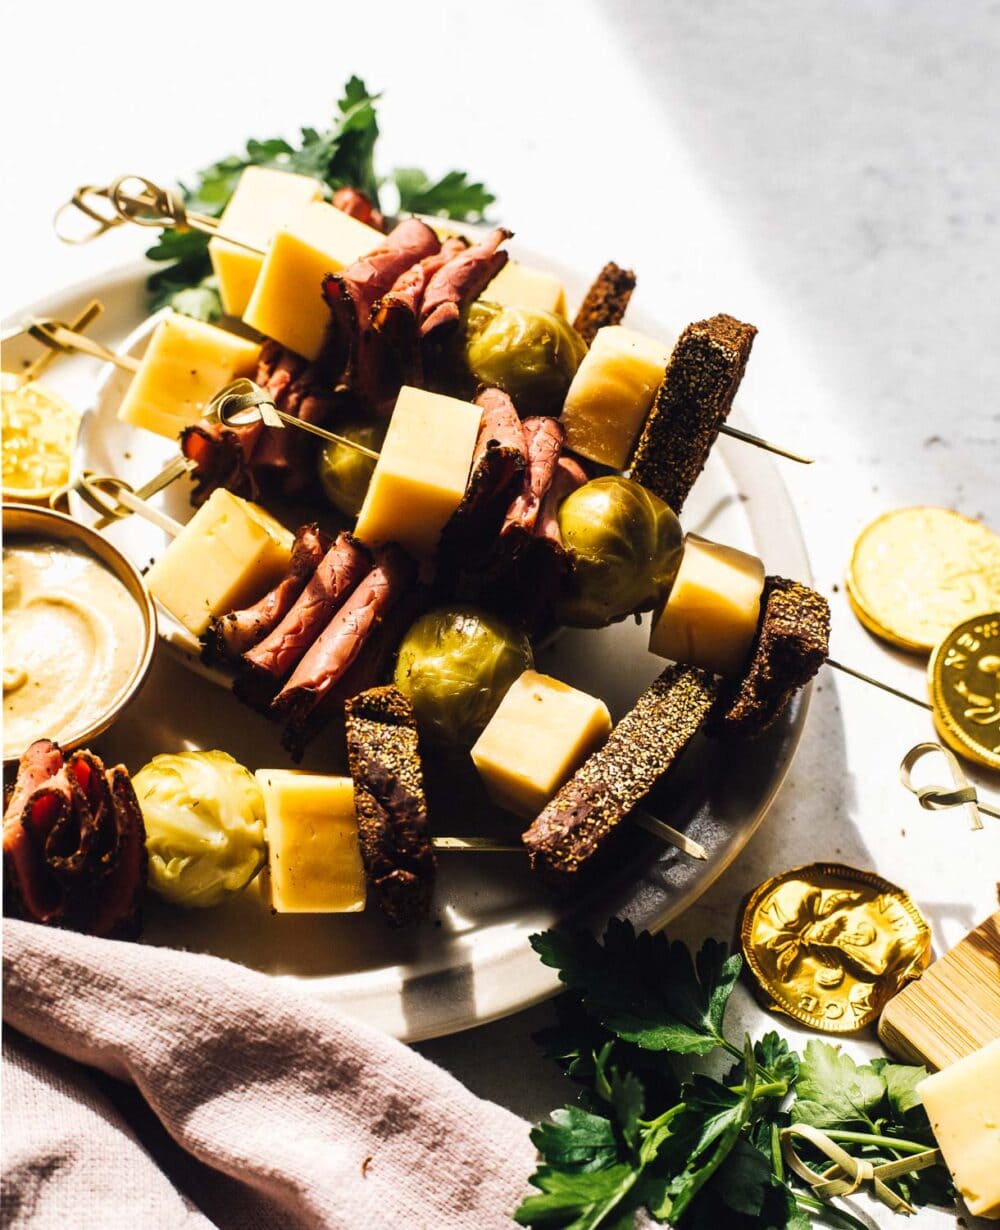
column 532, row 355
column 626, row 545
column 204, row 817
column 455, row 664
column 344, row 472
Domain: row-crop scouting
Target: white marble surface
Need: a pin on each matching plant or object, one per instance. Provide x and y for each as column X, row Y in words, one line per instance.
column 828, row 172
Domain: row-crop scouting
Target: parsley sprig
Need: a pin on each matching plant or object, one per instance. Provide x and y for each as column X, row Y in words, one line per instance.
column 342, row 155
column 695, row 1151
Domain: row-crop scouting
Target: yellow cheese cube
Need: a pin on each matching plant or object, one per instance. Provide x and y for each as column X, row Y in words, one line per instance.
column 420, row 476
column 711, row 613
column 287, row 301
column 963, row 1104
column 264, row 200
column 228, row 555
column 314, row 859
column 611, row 394
column 518, row 285
column 186, row 363
column 539, row 736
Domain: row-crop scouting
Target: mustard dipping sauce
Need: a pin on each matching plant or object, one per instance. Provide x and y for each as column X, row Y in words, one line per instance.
column 72, row 639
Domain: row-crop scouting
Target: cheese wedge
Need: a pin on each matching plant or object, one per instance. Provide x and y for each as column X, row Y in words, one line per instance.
column 611, row 395
column 264, row 200
column 228, row 555
column 963, row 1104
column 541, row 733
column 314, row 858
column 711, row 613
column 186, row 363
column 287, row 301
column 518, row 285
column 420, row 476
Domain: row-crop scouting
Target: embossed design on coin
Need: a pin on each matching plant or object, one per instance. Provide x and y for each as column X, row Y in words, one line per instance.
column 916, row 572
column 829, row 945
column 964, row 678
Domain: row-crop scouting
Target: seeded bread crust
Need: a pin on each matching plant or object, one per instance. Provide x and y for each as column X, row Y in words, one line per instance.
column 690, row 406
column 384, row 760
column 587, row 813
column 792, row 643
column 605, row 302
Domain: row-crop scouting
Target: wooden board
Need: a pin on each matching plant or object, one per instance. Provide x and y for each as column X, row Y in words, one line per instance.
column 954, row 1008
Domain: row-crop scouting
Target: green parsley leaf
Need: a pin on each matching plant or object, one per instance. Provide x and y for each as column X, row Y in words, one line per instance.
column 901, row 1081
column 576, row 1201
column 452, row 196
column 645, row 989
column 574, row 1139
column 833, row 1091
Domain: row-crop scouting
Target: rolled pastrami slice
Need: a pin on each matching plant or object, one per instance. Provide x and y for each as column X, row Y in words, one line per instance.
column 232, row 635
column 384, row 760
column 792, row 643
column 333, row 653
column 691, row 405
column 605, row 302
column 580, row 824
column 336, row 574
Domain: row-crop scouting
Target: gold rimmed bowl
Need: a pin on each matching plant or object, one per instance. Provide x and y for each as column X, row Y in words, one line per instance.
column 29, row 522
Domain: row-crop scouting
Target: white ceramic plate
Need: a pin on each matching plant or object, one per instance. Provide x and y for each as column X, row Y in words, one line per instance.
column 472, row 963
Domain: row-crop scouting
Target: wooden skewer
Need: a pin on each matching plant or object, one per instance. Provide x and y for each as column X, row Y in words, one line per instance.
column 153, row 205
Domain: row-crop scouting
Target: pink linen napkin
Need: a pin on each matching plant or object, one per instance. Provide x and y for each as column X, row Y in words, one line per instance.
column 297, row 1116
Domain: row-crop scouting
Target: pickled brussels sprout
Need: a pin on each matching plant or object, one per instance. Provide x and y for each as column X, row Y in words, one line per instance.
column 204, row 817
column 626, row 545
column 344, row 472
column 455, row 664
column 532, row 355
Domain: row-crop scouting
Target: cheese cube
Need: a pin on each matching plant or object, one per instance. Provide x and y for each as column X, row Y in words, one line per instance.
column 314, row 858
column 264, row 200
column 963, row 1104
column 186, row 363
column 287, row 301
column 611, row 395
column 228, row 555
column 711, row 613
column 519, row 285
column 539, row 736
column 420, row 476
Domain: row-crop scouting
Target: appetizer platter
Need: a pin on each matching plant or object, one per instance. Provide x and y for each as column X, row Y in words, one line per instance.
column 447, row 653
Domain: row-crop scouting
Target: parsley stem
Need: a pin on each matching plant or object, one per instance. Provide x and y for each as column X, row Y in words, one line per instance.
column 867, row 1138
column 827, row 1212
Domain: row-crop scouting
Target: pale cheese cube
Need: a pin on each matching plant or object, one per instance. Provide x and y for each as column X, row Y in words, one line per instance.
column 228, row 555
column 541, row 733
column 186, row 363
column 711, row 613
column 518, row 285
column 287, row 303
column 420, row 476
column 963, row 1104
column 612, row 393
column 264, row 199
column 314, row 858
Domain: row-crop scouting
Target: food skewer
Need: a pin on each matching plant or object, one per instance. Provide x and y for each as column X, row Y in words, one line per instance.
column 155, row 206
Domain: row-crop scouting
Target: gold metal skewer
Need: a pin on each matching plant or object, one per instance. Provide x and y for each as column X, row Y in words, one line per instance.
column 153, row 205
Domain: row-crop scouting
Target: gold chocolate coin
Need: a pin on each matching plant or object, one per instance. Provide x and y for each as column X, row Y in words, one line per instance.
column 964, row 678
column 917, row 572
column 829, row 945
column 39, row 431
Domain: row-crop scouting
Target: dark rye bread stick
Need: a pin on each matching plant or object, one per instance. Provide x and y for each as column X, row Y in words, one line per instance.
column 384, row 761
column 792, row 642
column 605, row 303
column 586, row 814
column 691, row 406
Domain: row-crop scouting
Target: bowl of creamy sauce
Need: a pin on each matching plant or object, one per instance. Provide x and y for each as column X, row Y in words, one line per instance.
column 79, row 628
